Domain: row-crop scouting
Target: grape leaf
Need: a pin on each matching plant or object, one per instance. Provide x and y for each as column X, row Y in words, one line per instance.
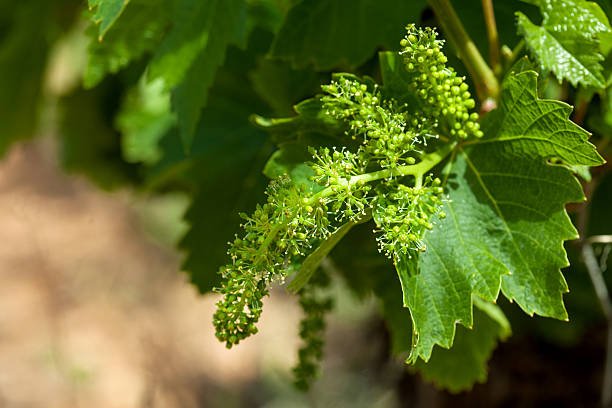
column 189, row 56
column 231, row 90
column 266, row 14
column 107, row 12
column 506, row 220
column 231, row 153
column 290, row 159
column 567, row 42
column 281, row 86
column 458, row 368
column 310, row 121
column 139, row 30
column 144, row 119
column 223, row 168
column 230, row 186
column 342, row 32
column 365, row 271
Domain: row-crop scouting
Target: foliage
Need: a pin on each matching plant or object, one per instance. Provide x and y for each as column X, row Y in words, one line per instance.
column 339, row 34
column 427, row 196
column 568, row 41
column 27, row 31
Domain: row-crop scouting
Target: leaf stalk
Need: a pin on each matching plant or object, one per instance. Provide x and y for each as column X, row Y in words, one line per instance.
column 588, row 255
column 514, row 54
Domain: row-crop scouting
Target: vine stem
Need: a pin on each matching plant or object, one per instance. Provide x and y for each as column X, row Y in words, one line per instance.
column 514, row 54
column 487, row 86
column 600, row 239
column 588, row 255
column 599, row 284
column 492, row 36
column 417, row 170
column 581, row 108
column 269, row 239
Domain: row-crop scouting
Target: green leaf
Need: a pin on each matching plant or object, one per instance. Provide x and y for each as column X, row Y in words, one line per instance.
column 397, row 79
column 223, row 167
column 458, row 368
column 139, row 30
column 189, row 56
column 567, row 42
column 365, row 271
column 506, row 220
column 267, row 14
column 290, row 159
column 536, row 128
column 310, row 121
column 230, row 186
column 144, row 119
column 230, row 153
column 107, row 13
column 281, row 86
column 343, row 33
column 190, row 34
column 496, row 314
column 581, row 171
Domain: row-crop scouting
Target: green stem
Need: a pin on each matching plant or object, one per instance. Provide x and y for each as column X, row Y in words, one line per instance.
column 312, row 261
column 603, row 295
column 487, row 86
column 492, row 36
column 511, row 59
column 417, row 170
column 268, row 240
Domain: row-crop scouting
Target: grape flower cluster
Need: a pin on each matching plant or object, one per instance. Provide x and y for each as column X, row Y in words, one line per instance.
column 390, row 137
column 312, row 327
column 284, row 227
column 444, row 94
column 402, row 215
column 385, row 177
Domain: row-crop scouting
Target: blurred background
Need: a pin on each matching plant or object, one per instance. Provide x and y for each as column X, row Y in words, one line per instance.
column 93, row 309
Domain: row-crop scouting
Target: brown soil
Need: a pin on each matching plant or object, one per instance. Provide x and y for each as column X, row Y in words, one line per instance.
column 94, row 314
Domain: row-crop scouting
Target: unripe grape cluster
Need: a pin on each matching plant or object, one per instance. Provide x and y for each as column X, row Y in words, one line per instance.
column 382, row 177
column 336, row 170
column 312, row 328
column 389, row 136
column 240, row 307
column 402, row 215
column 445, row 95
column 278, row 231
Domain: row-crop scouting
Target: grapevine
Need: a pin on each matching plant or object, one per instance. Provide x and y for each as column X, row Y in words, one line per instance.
column 385, row 176
column 398, row 163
